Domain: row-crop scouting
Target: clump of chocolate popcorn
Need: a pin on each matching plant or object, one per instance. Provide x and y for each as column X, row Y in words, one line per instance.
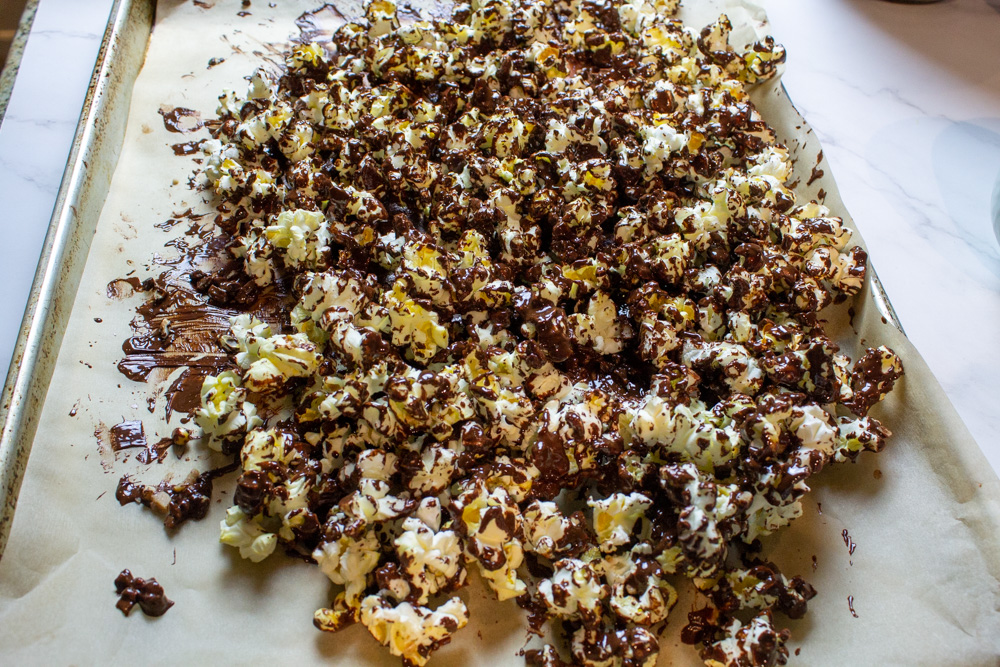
column 556, row 304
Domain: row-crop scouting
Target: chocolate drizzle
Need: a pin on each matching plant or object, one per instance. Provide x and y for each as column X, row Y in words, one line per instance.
column 816, row 173
column 187, row 147
column 181, row 120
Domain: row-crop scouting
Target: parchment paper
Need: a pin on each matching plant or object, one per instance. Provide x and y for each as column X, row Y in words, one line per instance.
column 924, row 577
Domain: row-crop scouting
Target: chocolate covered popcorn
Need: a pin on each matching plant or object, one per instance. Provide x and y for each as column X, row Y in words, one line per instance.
column 553, row 323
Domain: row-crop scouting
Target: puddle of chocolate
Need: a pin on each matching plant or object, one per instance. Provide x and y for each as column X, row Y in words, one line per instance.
column 127, row 435
column 181, row 120
column 147, row 593
column 156, row 452
column 187, row 309
column 130, row 435
column 187, row 147
column 122, row 288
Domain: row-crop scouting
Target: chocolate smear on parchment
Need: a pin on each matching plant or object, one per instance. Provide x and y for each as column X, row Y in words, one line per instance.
column 181, row 120
column 187, row 308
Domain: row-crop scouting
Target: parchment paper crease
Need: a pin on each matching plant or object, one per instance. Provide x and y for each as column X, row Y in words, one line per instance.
column 924, row 578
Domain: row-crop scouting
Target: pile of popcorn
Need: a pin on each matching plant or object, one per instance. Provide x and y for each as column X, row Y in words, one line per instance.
column 555, row 327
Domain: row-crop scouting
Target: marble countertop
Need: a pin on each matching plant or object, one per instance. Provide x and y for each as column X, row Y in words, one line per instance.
column 909, row 117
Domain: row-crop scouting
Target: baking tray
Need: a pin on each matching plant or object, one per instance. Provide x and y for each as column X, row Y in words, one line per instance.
column 84, row 187
column 940, row 476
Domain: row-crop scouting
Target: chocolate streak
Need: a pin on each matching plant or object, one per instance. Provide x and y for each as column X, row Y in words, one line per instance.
column 181, row 120
column 188, row 308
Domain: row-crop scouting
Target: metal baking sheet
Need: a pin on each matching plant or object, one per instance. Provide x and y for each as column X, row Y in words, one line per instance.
column 951, row 501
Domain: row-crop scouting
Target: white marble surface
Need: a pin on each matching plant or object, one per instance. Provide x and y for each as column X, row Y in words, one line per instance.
column 904, row 98
column 35, row 140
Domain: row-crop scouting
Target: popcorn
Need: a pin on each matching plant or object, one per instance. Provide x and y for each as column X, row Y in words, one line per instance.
column 270, row 446
column 301, row 236
column 225, row 413
column 409, row 632
column 644, row 599
column 615, row 516
column 348, row 560
column 595, row 647
column 545, row 528
column 574, row 591
column 615, row 394
column 254, row 543
column 491, row 523
column 432, row 560
column 758, row 639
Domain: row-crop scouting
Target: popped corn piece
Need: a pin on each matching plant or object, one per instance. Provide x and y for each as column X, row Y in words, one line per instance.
column 281, row 358
column 225, row 414
column 432, row 560
column 873, row 377
column 545, row 528
column 615, row 517
column 348, row 560
column 414, row 325
column 756, row 643
column 301, row 236
column 412, row 632
column 238, row 530
column 575, row 591
column 491, row 522
column 596, row 647
column 639, row 594
column 706, row 522
column 270, row 446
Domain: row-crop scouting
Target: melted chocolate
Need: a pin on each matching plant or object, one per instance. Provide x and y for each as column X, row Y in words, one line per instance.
column 817, row 173
column 187, row 147
column 181, row 120
column 849, row 542
column 127, row 434
column 177, row 503
column 147, row 593
column 180, row 326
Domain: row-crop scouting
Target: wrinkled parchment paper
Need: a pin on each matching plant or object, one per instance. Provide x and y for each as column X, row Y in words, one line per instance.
column 924, row 576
